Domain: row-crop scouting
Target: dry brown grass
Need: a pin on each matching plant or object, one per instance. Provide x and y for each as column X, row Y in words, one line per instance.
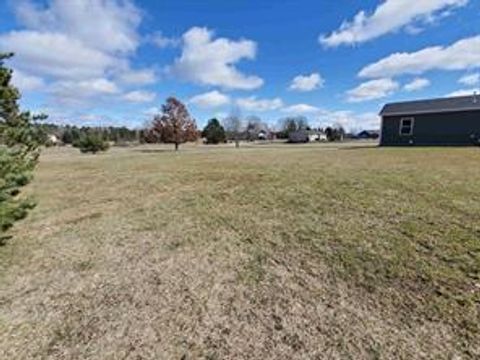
column 291, row 252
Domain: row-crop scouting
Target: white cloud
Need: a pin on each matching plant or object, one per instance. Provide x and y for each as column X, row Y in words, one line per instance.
column 55, row 54
column 210, row 99
column 138, row 77
column 417, row 84
column 221, row 115
column 85, row 88
column 253, row 104
column 301, row 109
column 72, row 96
column 470, row 79
column 26, row 82
column 79, row 49
column 88, row 117
column 163, row 41
column 209, row 61
column 464, row 54
column 413, row 29
column 389, row 16
column 349, row 120
column 152, row 111
column 373, row 89
column 109, row 26
column 98, row 86
column 140, row 96
column 307, row 82
column 464, row 92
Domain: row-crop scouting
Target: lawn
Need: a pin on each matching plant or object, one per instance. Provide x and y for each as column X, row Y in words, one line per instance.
column 267, row 252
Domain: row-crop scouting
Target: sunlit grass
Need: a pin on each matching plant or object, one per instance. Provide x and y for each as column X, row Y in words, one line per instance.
column 265, row 252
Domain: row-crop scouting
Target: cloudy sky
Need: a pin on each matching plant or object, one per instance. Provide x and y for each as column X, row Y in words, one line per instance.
column 115, row 61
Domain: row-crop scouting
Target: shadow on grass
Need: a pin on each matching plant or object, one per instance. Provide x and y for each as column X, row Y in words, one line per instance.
column 153, row 151
column 4, row 239
column 360, row 147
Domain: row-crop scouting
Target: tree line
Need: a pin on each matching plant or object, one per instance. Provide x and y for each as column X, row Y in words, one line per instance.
column 71, row 134
column 175, row 125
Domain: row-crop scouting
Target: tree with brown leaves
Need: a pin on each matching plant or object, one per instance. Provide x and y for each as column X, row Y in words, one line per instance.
column 174, row 125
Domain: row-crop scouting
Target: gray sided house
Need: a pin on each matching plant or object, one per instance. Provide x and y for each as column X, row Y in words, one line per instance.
column 449, row 121
column 305, row 136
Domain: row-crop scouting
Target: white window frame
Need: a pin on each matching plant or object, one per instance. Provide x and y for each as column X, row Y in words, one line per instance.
column 412, row 120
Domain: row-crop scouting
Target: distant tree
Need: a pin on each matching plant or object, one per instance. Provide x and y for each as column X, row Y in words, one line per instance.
column 174, row 125
column 67, row 137
column 147, row 135
column 91, row 143
column 19, row 151
column 292, row 124
column 234, row 126
column 71, row 134
column 329, row 133
column 76, row 134
column 253, row 127
column 335, row 133
column 48, row 133
column 214, row 132
column 340, row 133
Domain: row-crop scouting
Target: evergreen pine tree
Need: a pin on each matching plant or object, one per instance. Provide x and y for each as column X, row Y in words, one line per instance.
column 19, row 151
column 214, row 132
column 92, row 143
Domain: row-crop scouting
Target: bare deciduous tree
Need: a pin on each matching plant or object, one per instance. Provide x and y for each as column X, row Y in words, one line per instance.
column 233, row 126
column 253, row 127
column 291, row 124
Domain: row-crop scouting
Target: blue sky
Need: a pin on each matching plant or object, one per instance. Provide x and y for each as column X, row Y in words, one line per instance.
column 103, row 62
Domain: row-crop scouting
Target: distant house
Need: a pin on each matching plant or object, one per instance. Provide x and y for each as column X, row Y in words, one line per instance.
column 368, row 134
column 263, row 135
column 446, row 121
column 304, row 136
column 299, row 136
column 322, row 136
column 52, row 140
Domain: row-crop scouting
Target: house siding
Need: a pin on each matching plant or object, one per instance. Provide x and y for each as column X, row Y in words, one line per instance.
column 450, row 128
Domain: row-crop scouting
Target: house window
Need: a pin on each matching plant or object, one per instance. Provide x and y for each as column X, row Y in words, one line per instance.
column 406, row 126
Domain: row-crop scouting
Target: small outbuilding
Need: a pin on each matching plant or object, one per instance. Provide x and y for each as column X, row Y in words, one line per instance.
column 451, row 121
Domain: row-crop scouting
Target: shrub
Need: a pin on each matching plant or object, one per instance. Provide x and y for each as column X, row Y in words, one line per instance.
column 91, row 143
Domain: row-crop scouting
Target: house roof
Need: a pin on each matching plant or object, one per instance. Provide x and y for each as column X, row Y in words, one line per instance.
column 309, row 132
column 370, row 132
column 452, row 104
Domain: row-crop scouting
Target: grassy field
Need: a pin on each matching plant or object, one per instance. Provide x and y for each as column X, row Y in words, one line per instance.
column 268, row 252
